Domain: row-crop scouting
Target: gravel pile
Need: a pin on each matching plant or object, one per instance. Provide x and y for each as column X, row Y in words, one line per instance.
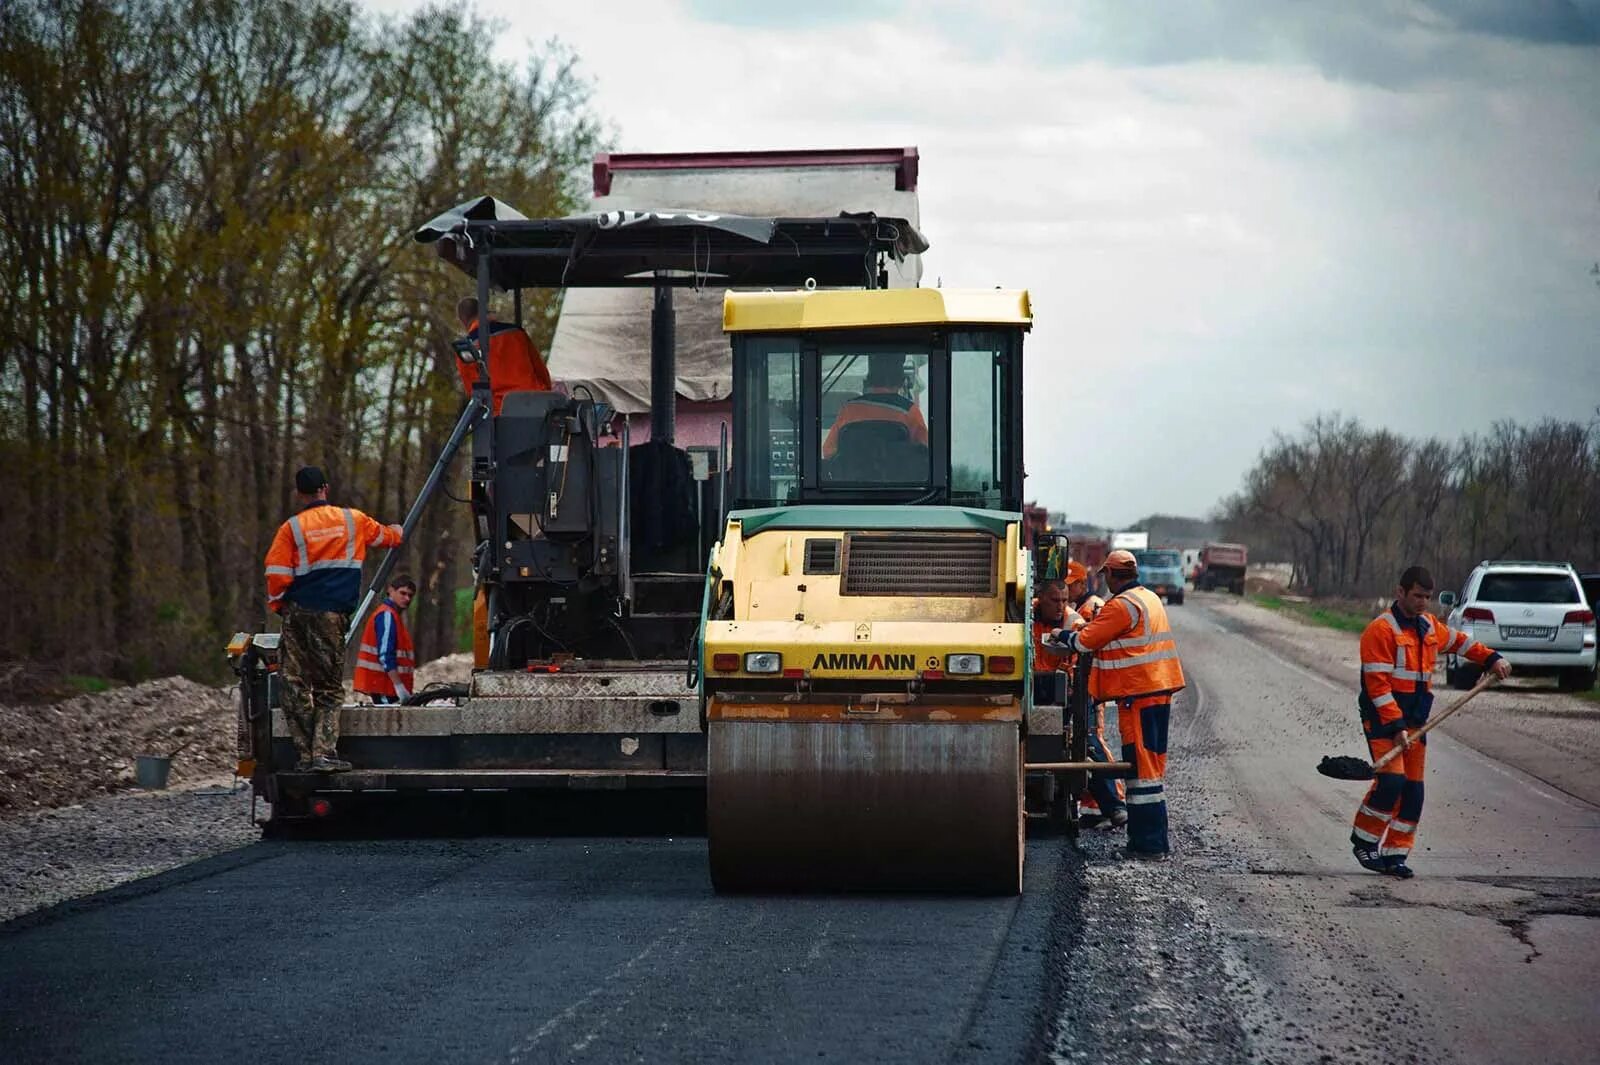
column 63, row 753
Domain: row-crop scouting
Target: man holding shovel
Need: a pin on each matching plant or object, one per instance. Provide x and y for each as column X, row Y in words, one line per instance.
column 1398, row 651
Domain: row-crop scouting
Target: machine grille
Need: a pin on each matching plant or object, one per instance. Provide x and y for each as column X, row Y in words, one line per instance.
column 822, row 556
column 919, row 564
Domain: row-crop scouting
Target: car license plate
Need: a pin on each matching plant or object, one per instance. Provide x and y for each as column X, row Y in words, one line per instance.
column 1527, row 632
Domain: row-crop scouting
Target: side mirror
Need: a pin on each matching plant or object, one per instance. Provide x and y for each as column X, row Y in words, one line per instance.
column 1447, row 600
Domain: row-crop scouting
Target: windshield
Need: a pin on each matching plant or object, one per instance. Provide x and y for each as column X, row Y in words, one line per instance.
column 882, row 415
column 1528, row 588
column 1158, row 559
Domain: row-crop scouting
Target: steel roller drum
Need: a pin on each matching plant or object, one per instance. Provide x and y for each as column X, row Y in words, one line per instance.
column 845, row 805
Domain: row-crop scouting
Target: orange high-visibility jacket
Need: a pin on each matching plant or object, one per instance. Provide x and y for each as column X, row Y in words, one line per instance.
column 877, row 405
column 1397, row 658
column 385, row 645
column 515, row 364
column 1044, row 660
column 1134, row 652
column 315, row 558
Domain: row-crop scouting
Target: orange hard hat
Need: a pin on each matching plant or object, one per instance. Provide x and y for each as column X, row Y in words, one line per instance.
column 1121, row 560
column 1076, row 571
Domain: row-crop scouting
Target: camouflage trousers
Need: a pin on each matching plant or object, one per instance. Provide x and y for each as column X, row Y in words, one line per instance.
column 312, row 653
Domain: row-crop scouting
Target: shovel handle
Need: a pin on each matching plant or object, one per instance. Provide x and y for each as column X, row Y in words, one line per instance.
column 1483, row 682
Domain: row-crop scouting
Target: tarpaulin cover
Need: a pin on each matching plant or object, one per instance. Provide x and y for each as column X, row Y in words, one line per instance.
column 689, row 247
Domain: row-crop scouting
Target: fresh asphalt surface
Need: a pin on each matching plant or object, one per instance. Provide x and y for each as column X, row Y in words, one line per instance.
column 1260, row 941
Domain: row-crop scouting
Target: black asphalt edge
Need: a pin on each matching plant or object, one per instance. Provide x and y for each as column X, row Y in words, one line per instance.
column 215, row 865
column 1014, row 1017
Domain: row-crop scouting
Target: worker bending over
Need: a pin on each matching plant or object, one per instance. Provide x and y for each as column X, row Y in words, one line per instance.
column 385, row 660
column 1106, row 792
column 1136, row 664
column 1398, row 651
column 313, row 571
column 515, row 365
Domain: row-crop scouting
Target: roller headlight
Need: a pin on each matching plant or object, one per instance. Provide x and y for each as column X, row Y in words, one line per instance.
column 763, row 662
column 963, row 665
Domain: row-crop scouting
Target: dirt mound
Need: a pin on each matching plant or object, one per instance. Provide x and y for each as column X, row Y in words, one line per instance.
column 61, row 753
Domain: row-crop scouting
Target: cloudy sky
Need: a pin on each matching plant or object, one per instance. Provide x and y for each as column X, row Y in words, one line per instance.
column 1231, row 215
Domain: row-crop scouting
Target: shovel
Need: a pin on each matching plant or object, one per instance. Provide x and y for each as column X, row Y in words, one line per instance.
column 1345, row 767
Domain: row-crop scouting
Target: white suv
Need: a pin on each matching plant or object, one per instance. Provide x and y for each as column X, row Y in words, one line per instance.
column 1533, row 613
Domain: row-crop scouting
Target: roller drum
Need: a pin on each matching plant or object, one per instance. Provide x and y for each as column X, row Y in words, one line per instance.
column 910, row 806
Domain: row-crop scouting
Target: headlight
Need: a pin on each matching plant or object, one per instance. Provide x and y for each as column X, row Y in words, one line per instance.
column 963, row 665
column 763, row 662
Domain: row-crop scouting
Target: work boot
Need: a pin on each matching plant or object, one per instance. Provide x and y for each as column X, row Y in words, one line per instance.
column 1367, row 855
column 1144, row 856
column 1093, row 820
column 325, row 764
column 1395, row 866
column 1119, row 818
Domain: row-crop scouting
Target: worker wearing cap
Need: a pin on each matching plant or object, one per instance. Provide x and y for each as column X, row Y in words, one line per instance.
column 884, row 399
column 515, row 364
column 1136, row 664
column 313, row 571
column 385, row 659
column 1398, row 650
column 1105, row 792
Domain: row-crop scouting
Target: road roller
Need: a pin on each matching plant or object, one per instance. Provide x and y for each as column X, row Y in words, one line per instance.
column 864, row 666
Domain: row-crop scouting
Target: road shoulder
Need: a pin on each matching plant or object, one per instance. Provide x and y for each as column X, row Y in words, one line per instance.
column 1551, row 736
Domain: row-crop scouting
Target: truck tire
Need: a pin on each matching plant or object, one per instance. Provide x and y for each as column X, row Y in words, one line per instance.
column 1237, row 588
column 1176, row 599
column 1577, row 680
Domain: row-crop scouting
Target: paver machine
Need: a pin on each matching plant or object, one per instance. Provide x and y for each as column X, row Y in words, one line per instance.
column 865, row 669
column 591, row 548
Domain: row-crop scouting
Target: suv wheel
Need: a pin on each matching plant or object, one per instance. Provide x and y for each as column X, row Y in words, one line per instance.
column 1462, row 677
column 1577, row 680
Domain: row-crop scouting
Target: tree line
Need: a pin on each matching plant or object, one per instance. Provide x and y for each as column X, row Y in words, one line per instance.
column 207, row 279
column 1351, row 506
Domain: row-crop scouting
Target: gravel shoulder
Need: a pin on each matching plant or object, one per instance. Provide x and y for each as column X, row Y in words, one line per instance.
column 1547, row 734
column 72, row 821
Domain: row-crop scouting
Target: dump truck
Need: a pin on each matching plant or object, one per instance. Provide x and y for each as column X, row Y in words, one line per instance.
column 1222, row 566
column 865, row 669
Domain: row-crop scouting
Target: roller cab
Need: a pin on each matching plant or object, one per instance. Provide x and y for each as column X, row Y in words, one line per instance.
column 864, row 658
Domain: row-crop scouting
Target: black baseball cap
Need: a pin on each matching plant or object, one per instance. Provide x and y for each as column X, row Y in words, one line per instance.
column 309, row 480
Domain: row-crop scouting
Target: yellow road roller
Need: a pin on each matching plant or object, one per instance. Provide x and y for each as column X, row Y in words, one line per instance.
column 864, row 667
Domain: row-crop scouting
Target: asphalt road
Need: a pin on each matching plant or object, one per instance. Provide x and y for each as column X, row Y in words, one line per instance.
column 1261, row 941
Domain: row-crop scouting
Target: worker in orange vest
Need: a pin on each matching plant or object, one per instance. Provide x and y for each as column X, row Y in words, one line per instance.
column 884, row 399
column 1398, row 651
column 1136, row 664
column 515, row 365
column 313, row 571
column 385, row 659
column 1105, row 805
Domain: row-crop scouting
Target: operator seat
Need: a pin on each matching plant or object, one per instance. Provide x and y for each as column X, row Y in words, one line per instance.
column 879, row 452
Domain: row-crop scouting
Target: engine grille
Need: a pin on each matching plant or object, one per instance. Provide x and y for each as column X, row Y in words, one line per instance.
column 924, row 564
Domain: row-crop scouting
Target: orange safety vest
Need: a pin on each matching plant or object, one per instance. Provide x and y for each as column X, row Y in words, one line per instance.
column 385, row 645
column 877, row 405
column 1134, row 652
column 1397, row 659
column 515, row 364
column 315, row 558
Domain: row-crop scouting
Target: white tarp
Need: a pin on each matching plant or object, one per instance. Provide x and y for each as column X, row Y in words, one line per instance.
column 603, row 335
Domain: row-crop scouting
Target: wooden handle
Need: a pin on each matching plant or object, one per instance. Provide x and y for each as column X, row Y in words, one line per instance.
column 1483, row 682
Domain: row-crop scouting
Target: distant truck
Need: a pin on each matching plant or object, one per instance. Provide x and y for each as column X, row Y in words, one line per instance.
column 1161, row 571
column 1222, row 566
